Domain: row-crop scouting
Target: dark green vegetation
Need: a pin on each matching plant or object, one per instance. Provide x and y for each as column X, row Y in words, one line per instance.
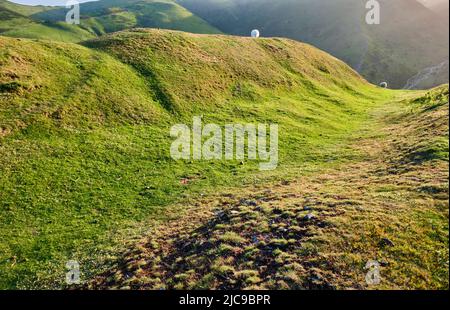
column 319, row 230
column 409, row 38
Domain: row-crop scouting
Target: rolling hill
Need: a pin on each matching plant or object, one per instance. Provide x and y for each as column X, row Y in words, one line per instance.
column 25, row 10
column 86, row 171
column 114, row 15
column 94, row 131
column 98, row 18
column 15, row 24
column 409, row 39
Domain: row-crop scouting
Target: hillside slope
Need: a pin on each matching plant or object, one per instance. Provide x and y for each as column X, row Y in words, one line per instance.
column 97, row 18
column 25, row 10
column 212, row 69
column 14, row 24
column 107, row 16
column 409, row 39
column 84, row 134
column 316, row 231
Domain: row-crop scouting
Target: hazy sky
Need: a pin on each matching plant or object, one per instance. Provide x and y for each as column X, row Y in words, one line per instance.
column 63, row 2
column 432, row 3
column 45, row 2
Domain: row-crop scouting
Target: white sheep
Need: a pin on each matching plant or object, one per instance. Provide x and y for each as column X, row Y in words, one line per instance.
column 384, row 84
column 255, row 33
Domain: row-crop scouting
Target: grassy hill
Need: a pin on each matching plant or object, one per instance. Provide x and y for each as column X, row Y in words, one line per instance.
column 113, row 15
column 25, row 10
column 14, row 22
column 98, row 18
column 409, row 39
column 94, row 132
column 85, row 158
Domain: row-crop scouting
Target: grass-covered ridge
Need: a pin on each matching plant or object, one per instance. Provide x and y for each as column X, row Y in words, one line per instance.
column 84, row 135
column 188, row 69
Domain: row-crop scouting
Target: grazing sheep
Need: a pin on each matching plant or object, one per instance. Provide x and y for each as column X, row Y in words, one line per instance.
column 384, row 84
column 255, row 33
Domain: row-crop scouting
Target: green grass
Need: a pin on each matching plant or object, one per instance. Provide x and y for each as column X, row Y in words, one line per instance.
column 104, row 18
column 84, row 140
column 97, row 18
column 379, row 206
column 25, row 10
column 16, row 25
column 109, row 16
